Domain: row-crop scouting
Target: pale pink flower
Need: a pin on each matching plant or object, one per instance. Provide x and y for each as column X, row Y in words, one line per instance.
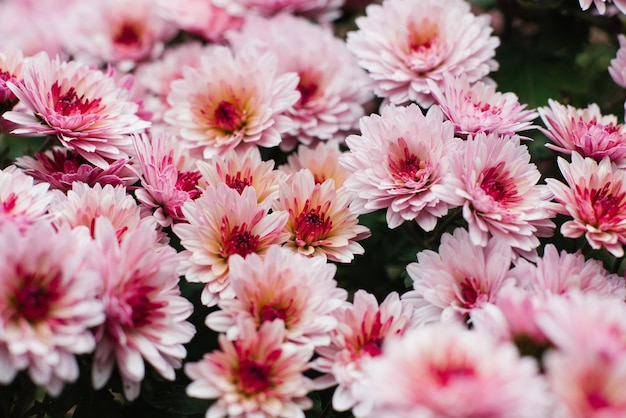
column 617, row 68
column 115, row 32
column 323, row 11
column 22, row 202
column 199, row 17
column 585, row 131
column 10, row 70
column 459, row 278
column 257, row 376
column 362, row 328
column 232, row 100
column 447, row 371
column 333, row 87
column 601, row 5
column 49, row 301
column 222, row 223
column 497, row 185
column 478, row 107
column 239, row 170
column 60, row 167
column 320, row 223
column 84, row 108
column 145, row 312
column 404, row 43
column 595, row 197
column 400, row 162
column 322, row 160
column 298, row 290
column 169, row 176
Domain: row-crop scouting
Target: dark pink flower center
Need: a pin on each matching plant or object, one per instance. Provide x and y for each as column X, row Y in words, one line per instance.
column 239, row 241
column 373, row 347
column 307, row 91
column 5, row 76
column 237, row 183
column 499, row 185
column 597, row 400
column 227, row 116
column 408, row 168
column 69, row 104
column 253, row 376
column 187, row 181
column 606, row 204
column 470, row 293
column 370, row 340
column 270, row 313
column 311, row 225
column 31, row 302
column 128, row 35
column 141, row 306
column 446, row 375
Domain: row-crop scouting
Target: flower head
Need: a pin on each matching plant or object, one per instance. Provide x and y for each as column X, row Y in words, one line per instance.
column 322, row 160
column 321, row 10
column 10, row 70
column 21, row 202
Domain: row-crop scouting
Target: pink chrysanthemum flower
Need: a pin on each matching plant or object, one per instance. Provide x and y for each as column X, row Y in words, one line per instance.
column 446, row 371
column 362, row 328
column 320, row 223
column 478, row 107
column 322, row 160
column 585, row 131
column 323, row 11
column 400, row 162
column 61, row 167
column 10, row 70
column 169, row 177
column 232, row 100
column 22, row 202
column 497, row 185
column 333, row 87
column 222, row 223
column 403, row 43
column 617, row 68
column 298, row 290
column 600, row 5
column 145, row 312
column 258, row 375
column 84, row 108
column 48, row 303
column 595, row 197
column 239, row 170
column 459, row 278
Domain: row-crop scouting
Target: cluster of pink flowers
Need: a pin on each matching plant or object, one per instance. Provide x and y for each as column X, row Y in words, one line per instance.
column 233, row 145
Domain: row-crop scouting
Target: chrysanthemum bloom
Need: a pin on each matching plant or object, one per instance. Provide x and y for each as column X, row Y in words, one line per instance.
column 232, row 100
column 585, row 131
column 478, row 107
column 595, row 197
column 83, row 107
column 258, row 375
column 240, row 169
column 298, row 290
column 403, row 43
column 498, row 187
column 460, row 277
column 60, row 167
column 600, row 5
column 10, row 70
column 21, row 202
column 145, row 312
column 362, row 328
column 617, row 68
column 322, row 160
column 333, row 87
column 169, row 176
column 323, row 11
column 48, row 303
column 320, row 223
column 221, row 223
column 115, row 32
column 447, row 371
column 400, row 162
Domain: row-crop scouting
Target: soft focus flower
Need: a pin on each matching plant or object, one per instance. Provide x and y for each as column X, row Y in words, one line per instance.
column 232, row 100
column 258, row 375
column 322, row 160
column 362, row 328
column 84, row 108
column 48, row 303
column 448, row 371
column 322, row 10
column 595, row 197
column 617, row 68
column 448, row 286
column 600, row 5
column 21, row 202
column 320, row 223
column 239, row 170
column 145, row 312
column 332, row 86
column 498, row 187
column 478, row 107
column 61, row 167
column 404, row 43
column 400, row 162
column 298, row 290
column 10, row 70
column 169, row 176
column 585, row 131
column 222, row 223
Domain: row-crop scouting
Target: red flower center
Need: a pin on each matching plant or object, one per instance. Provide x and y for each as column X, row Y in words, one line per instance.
column 270, row 313
column 446, row 375
column 597, row 400
column 253, row 376
column 470, row 293
column 307, row 91
column 140, row 306
column 69, row 104
column 374, row 347
column 239, row 241
column 31, row 302
column 311, row 225
column 188, row 181
column 499, row 185
column 237, row 183
column 128, row 35
column 406, row 167
column 227, row 116
column 607, row 204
